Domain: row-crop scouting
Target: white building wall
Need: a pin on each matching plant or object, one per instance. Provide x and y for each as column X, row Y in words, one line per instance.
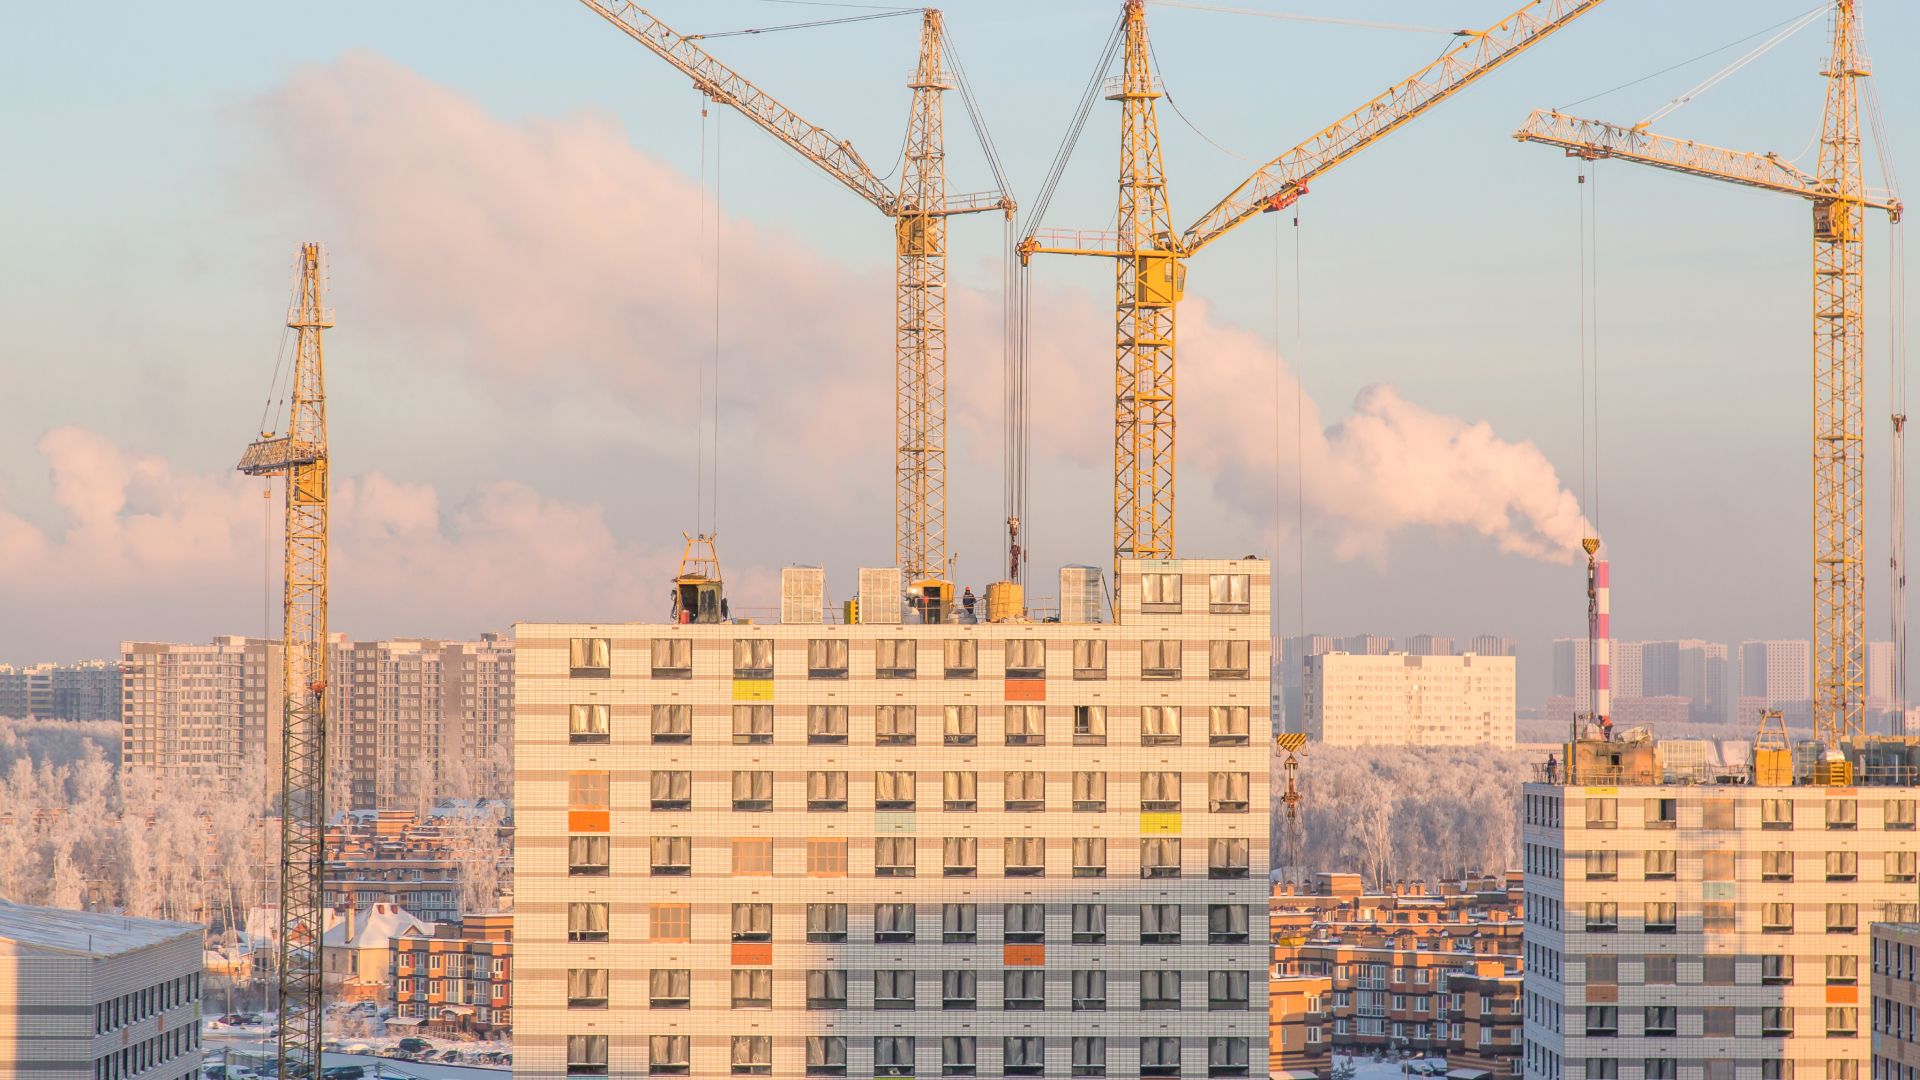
column 1402, row 700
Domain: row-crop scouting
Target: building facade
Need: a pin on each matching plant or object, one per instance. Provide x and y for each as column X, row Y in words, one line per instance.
column 201, row 713
column 1895, row 1001
column 416, row 718
column 1777, row 672
column 455, row 979
column 88, row 996
column 1405, row 700
column 1010, row 849
column 1706, row 931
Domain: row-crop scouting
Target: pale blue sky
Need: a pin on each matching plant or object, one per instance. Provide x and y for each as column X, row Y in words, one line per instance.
column 148, row 216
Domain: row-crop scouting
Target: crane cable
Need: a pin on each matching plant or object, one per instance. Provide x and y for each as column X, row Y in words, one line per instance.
column 1220, row 9
column 1685, row 63
column 1897, row 379
column 814, row 24
column 1718, row 77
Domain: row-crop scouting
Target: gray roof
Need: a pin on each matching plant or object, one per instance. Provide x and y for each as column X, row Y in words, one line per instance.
column 90, row 933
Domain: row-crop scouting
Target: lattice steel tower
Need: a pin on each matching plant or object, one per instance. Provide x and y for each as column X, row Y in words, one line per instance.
column 920, row 229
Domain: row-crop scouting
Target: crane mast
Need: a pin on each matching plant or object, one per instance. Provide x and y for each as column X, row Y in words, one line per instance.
column 1150, row 257
column 1840, row 199
column 300, row 455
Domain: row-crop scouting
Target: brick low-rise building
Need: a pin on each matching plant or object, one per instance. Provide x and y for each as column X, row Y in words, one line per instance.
column 457, row 980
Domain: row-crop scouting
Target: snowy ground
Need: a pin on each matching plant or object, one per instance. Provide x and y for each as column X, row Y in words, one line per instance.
column 1365, row 1068
column 245, row 1051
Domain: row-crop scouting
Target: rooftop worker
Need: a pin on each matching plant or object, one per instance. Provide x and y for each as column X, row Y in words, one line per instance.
column 1551, row 766
column 966, row 599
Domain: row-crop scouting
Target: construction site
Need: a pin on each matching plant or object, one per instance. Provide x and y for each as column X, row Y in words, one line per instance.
column 1021, row 826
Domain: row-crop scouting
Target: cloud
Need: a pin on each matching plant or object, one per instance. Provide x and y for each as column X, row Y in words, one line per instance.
column 550, row 257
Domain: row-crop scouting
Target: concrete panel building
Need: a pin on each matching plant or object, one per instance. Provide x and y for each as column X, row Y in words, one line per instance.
column 1895, row 1002
column 89, row 996
column 413, row 717
column 899, row 850
column 1403, row 700
column 1706, row 931
column 201, row 713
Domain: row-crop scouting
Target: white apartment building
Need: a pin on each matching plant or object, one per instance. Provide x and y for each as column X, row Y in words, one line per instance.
column 412, row 717
column 1405, row 700
column 201, row 713
column 90, row 996
column 1705, row 931
column 899, row 850
column 1778, row 672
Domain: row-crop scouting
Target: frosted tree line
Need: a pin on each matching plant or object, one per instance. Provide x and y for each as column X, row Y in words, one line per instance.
column 1402, row 813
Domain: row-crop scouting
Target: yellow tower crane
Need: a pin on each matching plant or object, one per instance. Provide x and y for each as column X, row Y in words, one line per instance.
column 1150, row 259
column 1840, row 200
column 919, row 210
column 301, row 456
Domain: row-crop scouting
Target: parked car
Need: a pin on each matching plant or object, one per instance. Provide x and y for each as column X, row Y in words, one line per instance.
column 413, row 1044
column 343, row 1072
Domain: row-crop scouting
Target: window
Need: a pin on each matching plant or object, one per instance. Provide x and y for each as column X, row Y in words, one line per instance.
column 962, row 656
column 1843, row 814
column 1776, row 1021
column 1717, row 1020
column 1159, row 856
column 1899, row 865
column 1089, row 792
column 895, row 725
column 586, row 1054
column 1227, row 1055
column 1227, row 659
column 1024, row 923
column 753, row 856
column 1089, row 725
column 1776, row 1069
column 826, row 922
column 1026, row 658
column 1025, row 1055
column 1658, row 865
column 1090, row 1054
column 1023, row 988
column 1229, row 594
column 1777, row 970
column 672, row 723
column 671, row 854
column 1160, row 593
column 1090, row 658
column 1776, row 866
column 893, row 1055
column 1026, row 856
column 896, row 658
column 1843, row 866
column 1661, row 917
column 1603, row 813
column 1843, row 1069
column 1026, row 725
column 1089, row 856
column 670, row 922
column 1776, row 918
column 591, row 657
column 1897, row 912
column 893, row 988
column 1660, row 1020
column 753, row 922
column 1603, row 1069
column 670, row 988
column 960, row 791
column 1843, row 1021
column 1227, row 725
column 1662, row 813
column 1661, row 1069
column 893, row 856
column 1159, row 790
column 827, row 658
column 1026, row 790
column 1843, row 918
column 1602, row 865
column 826, row 1055
column 586, row 988
column 1776, row 813
column 895, row 789
column 752, row 1055
column 959, row 923
column 672, row 790
column 1090, row 991
column 1227, row 792
column 752, row 724
column 753, row 658
column 959, row 1055
column 1089, row 924
column 962, row 725
column 1227, row 991
column 826, row 724
column 827, row 858
column 960, row 856
column 1603, row 917
column 666, row 1054
column 826, row 791
column 1160, row 1056
column 1226, row 924
column 1227, row 857
column 1160, row 659
column 1899, row 814
column 753, row 988
column 895, row 921
column 1662, row 969
column 587, row 855
column 587, row 794
column 587, row 723
column 752, row 790
column 1159, row 725
column 959, row 989
column 1603, row 1020
column 672, row 658
column 587, row 921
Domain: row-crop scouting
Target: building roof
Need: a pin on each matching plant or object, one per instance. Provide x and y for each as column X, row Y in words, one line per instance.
column 87, row 933
column 372, row 928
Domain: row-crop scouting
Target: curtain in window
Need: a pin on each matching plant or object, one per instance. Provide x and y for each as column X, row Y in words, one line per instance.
column 672, row 720
column 753, row 655
column 1024, row 988
column 826, row 987
column 826, row 787
column 827, row 721
column 1026, row 786
column 1227, row 657
column 1227, row 920
column 752, row 922
column 752, row 722
column 1089, row 657
column 752, row 1052
column 1090, row 787
column 1160, row 856
column 1025, row 922
column 1159, row 723
column 672, row 654
column 960, row 919
column 1160, row 657
column 959, row 1051
column 893, row 786
column 1090, row 856
column 960, row 787
column 1024, row 1051
column 1159, row 790
column 895, row 855
column 586, row 985
column 1227, row 988
column 895, row 654
column 587, row 719
column 1226, row 1052
column 1160, row 922
column 1089, row 1053
column 1090, row 920
column 671, row 851
column 958, row 985
column 894, row 919
column 894, row 723
column 1227, row 792
column 675, row 786
column 1090, row 989
column 960, row 854
column 962, row 654
column 1227, row 856
column 826, row 1052
column 1229, row 591
column 591, row 653
column 1227, row 722
column 587, row 852
column 752, row 986
column 586, row 1050
column 587, row 918
column 1026, row 854
column 755, row 786
column 825, row 920
column 1026, row 724
column 827, row 654
column 664, row 1049
column 894, row 1051
column 1160, row 1052
column 962, row 723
